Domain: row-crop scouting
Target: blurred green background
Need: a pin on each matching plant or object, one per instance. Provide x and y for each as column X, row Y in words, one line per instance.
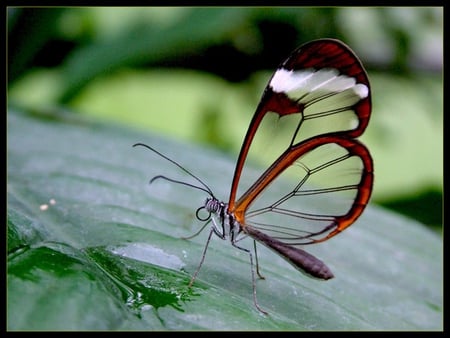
column 197, row 74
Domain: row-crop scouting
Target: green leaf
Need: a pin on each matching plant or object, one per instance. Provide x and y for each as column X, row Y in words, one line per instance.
column 91, row 246
column 149, row 43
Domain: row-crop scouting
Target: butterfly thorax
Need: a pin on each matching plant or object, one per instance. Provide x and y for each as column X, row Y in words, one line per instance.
column 224, row 223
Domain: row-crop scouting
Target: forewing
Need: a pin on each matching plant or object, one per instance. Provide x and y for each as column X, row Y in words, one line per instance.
column 321, row 89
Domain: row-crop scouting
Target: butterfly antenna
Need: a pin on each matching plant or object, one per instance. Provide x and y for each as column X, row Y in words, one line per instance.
column 205, row 188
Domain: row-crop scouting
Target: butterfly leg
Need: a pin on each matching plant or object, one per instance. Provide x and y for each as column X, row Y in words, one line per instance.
column 215, row 230
column 202, row 259
column 255, row 300
column 257, row 263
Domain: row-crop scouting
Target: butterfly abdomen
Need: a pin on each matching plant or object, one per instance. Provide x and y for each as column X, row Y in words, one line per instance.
column 299, row 258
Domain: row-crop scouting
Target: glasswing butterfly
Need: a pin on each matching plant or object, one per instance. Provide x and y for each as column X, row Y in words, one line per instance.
column 319, row 100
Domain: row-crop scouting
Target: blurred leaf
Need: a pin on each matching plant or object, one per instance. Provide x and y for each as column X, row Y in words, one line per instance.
column 406, row 135
column 92, row 247
column 149, row 43
column 28, row 31
column 425, row 207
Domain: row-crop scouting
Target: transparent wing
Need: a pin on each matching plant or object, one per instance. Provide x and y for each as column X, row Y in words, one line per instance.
column 322, row 88
column 311, row 193
column 315, row 104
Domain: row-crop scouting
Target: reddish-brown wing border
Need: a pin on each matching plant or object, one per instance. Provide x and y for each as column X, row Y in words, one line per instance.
column 318, row 54
column 354, row 147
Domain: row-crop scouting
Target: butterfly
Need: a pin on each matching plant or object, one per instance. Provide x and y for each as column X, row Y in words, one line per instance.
column 319, row 102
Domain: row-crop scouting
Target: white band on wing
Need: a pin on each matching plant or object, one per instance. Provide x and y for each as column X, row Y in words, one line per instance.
column 295, row 83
